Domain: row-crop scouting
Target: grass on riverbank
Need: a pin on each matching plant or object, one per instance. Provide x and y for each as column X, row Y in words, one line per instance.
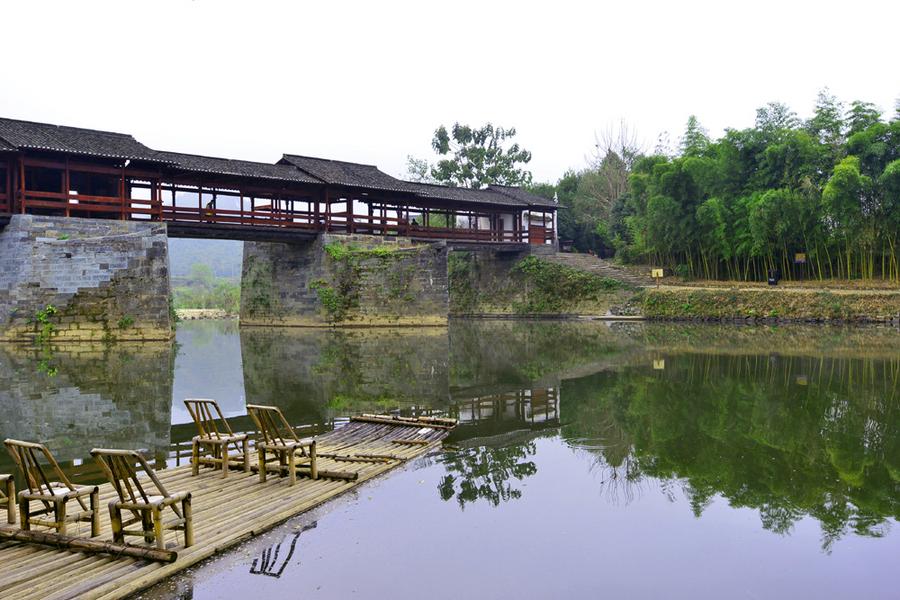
column 770, row 303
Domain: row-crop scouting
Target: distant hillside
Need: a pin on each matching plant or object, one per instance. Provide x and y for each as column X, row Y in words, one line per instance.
column 224, row 257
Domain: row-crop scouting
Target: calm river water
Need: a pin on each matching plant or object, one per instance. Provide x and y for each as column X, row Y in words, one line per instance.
column 622, row 460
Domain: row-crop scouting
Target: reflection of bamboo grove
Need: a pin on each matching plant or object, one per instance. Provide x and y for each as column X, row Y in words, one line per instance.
column 789, row 436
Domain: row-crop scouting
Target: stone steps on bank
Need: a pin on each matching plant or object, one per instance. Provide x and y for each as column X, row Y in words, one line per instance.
column 598, row 266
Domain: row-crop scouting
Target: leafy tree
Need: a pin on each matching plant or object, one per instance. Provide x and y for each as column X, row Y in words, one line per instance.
column 827, row 125
column 774, row 118
column 861, row 116
column 748, row 202
column 419, row 170
column 475, row 157
column 695, row 140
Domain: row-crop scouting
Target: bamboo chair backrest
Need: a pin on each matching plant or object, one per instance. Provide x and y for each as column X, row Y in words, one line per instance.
column 208, row 418
column 273, row 427
column 25, row 455
column 119, row 467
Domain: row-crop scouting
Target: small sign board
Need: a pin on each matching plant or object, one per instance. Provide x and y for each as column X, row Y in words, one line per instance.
column 656, row 273
column 800, row 258
column 659, row 364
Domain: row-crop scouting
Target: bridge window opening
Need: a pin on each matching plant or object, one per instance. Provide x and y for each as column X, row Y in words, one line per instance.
column 141, row 204
column 40, row 179
column 94, row 184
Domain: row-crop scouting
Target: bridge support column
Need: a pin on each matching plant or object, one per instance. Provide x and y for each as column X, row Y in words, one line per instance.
column 344, row 280
column 66, row 279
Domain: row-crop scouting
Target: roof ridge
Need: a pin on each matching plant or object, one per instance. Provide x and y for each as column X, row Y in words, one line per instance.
column 255, row 162
column 70, row 127
column 334, row 160
column 101, row 132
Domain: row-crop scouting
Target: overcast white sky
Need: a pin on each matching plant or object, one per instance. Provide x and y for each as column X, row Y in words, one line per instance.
column 370, row 81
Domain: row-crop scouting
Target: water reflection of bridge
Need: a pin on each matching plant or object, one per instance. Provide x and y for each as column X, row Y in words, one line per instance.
column 532, row 407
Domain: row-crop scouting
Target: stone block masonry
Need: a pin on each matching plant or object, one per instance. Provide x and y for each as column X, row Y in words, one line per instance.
column 105, row 280
column 344, row 280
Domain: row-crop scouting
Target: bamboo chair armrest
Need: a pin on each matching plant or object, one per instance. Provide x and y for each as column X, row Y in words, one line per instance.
column 173, row 499
column 77, row 493
column 130, row 505
column 26, row 444
column 176, row 497
column 114, row 452
column 237, row 437
column 288, row 446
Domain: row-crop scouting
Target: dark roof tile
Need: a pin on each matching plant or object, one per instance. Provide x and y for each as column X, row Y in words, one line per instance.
column 338, row 172
column 73, row 140
column 457, row 194
column 238, row 168
column 522, row 196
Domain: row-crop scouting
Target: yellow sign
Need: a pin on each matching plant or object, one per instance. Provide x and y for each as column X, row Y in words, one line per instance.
column 656, row 273
column 800, row 258
column 659, row 364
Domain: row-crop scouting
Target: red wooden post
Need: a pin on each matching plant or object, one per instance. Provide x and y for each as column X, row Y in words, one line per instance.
column 66, row 187
column 22, row 183
column 122, row 195
column 350, row 213
column 327, row 211
column 9, row 189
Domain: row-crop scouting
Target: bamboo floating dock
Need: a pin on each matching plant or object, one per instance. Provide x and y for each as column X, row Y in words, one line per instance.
column 226, row 511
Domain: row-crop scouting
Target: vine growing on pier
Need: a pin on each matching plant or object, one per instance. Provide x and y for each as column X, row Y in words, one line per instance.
column 340, row 296
column 44, row 326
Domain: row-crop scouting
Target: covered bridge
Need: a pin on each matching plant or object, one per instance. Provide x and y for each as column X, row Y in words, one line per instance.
column 67, row 171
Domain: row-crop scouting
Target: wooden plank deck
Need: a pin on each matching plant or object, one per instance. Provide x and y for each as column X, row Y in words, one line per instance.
column 227, row 511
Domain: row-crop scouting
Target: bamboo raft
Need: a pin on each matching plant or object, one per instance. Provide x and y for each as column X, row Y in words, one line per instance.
column 226, row 512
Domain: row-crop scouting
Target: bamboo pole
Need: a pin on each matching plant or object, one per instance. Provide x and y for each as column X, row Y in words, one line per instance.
column 90, row 546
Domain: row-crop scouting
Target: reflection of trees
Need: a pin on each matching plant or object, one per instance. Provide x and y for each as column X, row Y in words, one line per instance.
column 486, row 473
column 787, row 436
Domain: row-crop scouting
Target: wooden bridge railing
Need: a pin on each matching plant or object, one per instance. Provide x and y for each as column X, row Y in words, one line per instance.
column 119, row 207
column 78, row 205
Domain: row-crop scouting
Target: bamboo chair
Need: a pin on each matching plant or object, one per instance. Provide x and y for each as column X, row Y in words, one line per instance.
column 54, row 495
column 278, row 439
column 214, row 440
column 8, row 496
column 145, row 503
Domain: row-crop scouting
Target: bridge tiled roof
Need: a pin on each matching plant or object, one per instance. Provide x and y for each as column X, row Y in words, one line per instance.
column 435, row 191
column 26, row 135
column 522, row 196
column 238, row 168
column 338, row 172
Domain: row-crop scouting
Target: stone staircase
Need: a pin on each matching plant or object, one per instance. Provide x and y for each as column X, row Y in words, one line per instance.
column 598, row 266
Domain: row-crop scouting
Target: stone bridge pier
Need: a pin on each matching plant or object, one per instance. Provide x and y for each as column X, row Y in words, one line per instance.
column 70, row 279
column 345, row 280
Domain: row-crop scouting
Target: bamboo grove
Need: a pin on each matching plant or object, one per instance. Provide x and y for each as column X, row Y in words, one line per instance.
column 754, row 199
